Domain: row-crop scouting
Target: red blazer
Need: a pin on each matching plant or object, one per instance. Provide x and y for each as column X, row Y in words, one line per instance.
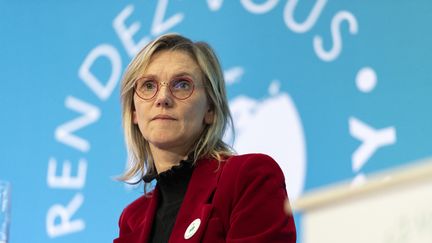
column 241, row 201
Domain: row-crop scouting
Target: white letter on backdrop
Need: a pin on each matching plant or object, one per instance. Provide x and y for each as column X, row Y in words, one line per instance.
column 309, row 22
column 159, row 25
column 66, row 180
column 104, row 50
column 65, row 225
column 126, row 34
column 371, row 140
column 63, row 133
column 259, row 8
column 336, row 36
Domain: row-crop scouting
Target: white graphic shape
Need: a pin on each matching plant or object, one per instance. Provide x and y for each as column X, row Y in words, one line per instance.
column 90, row 114
column 126, row 33
column 64, row 225
column 233, row 75
column 159, row 24
column 66, row 180
column 274, row 88
column 359, row 180
column 261, row 8
column 371, row 139
column 214, row 5
column 103, row 91
column 272, row 126
column 309, row 22
column 334, row 52
column 366, row 79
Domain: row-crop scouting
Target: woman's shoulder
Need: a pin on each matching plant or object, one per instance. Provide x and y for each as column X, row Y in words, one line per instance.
column 251, row 156
column 256, row 159
column 251, row 164
column 252, row 176
column 136, row 208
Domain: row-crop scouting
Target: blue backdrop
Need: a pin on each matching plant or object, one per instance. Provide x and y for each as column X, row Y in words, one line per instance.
column 333, row 90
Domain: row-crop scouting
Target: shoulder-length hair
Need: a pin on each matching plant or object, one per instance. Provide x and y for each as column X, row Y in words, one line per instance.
column 210, row 143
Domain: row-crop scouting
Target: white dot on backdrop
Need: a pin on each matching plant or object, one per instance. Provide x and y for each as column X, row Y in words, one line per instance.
column 274, row 87
column 366, row 79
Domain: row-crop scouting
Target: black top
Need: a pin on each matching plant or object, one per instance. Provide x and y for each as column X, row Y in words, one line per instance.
column 172, row 185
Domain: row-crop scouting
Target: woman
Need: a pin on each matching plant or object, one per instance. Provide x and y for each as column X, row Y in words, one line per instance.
column 175, row 112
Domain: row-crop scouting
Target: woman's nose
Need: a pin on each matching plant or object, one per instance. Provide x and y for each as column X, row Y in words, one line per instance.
column 164, row 97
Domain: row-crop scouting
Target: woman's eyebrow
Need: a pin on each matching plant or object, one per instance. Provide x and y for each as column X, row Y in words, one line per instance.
column 183, row 73
column 150, row 76
column 175, row 75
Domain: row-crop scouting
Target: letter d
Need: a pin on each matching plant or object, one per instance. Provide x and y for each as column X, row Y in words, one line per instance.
column 103, row 91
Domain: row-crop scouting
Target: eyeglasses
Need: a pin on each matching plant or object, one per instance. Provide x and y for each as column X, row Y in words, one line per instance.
column 181, row 88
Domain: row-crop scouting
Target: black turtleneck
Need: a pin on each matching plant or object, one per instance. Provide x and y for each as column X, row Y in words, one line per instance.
column 172, row 185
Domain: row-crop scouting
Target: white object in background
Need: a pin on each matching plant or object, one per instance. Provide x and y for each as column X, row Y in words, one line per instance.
column 390, row 207
column 4, row 211
column 272, row 126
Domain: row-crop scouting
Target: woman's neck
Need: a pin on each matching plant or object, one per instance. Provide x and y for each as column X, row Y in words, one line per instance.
column 165, row 159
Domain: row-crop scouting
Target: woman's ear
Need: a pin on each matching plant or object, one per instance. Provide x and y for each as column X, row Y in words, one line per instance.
column 134, row 117
column 209, row 117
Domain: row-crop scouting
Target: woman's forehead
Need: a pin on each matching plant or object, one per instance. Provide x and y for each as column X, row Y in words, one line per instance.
column 174, row 63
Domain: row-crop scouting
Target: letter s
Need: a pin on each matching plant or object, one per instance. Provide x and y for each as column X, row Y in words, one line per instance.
column 334, row 52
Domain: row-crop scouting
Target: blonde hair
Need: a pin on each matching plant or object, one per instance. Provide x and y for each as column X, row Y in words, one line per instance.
column 209, row 144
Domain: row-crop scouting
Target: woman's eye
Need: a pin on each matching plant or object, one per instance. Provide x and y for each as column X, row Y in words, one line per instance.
column 182, row 84
column 149, row 85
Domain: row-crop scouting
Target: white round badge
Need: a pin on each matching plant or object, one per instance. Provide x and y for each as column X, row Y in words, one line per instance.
column 192, row 229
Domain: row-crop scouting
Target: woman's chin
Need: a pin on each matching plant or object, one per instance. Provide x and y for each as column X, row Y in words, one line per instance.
column 167, row 144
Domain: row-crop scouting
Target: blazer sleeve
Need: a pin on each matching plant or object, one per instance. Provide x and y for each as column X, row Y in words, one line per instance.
column 258, row 205
column 123, row 225
column 133, row 215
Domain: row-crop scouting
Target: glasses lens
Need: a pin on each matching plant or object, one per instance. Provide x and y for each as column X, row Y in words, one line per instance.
column 146, row 88
column 181, row 88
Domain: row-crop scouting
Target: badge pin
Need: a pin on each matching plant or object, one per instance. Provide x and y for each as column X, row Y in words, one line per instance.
column 192, row 229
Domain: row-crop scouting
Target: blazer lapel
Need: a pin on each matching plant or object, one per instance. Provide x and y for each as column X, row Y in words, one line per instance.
column 148, row 221
column 196, row 208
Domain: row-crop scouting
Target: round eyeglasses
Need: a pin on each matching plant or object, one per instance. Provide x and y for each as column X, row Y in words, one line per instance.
column 181, row 88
